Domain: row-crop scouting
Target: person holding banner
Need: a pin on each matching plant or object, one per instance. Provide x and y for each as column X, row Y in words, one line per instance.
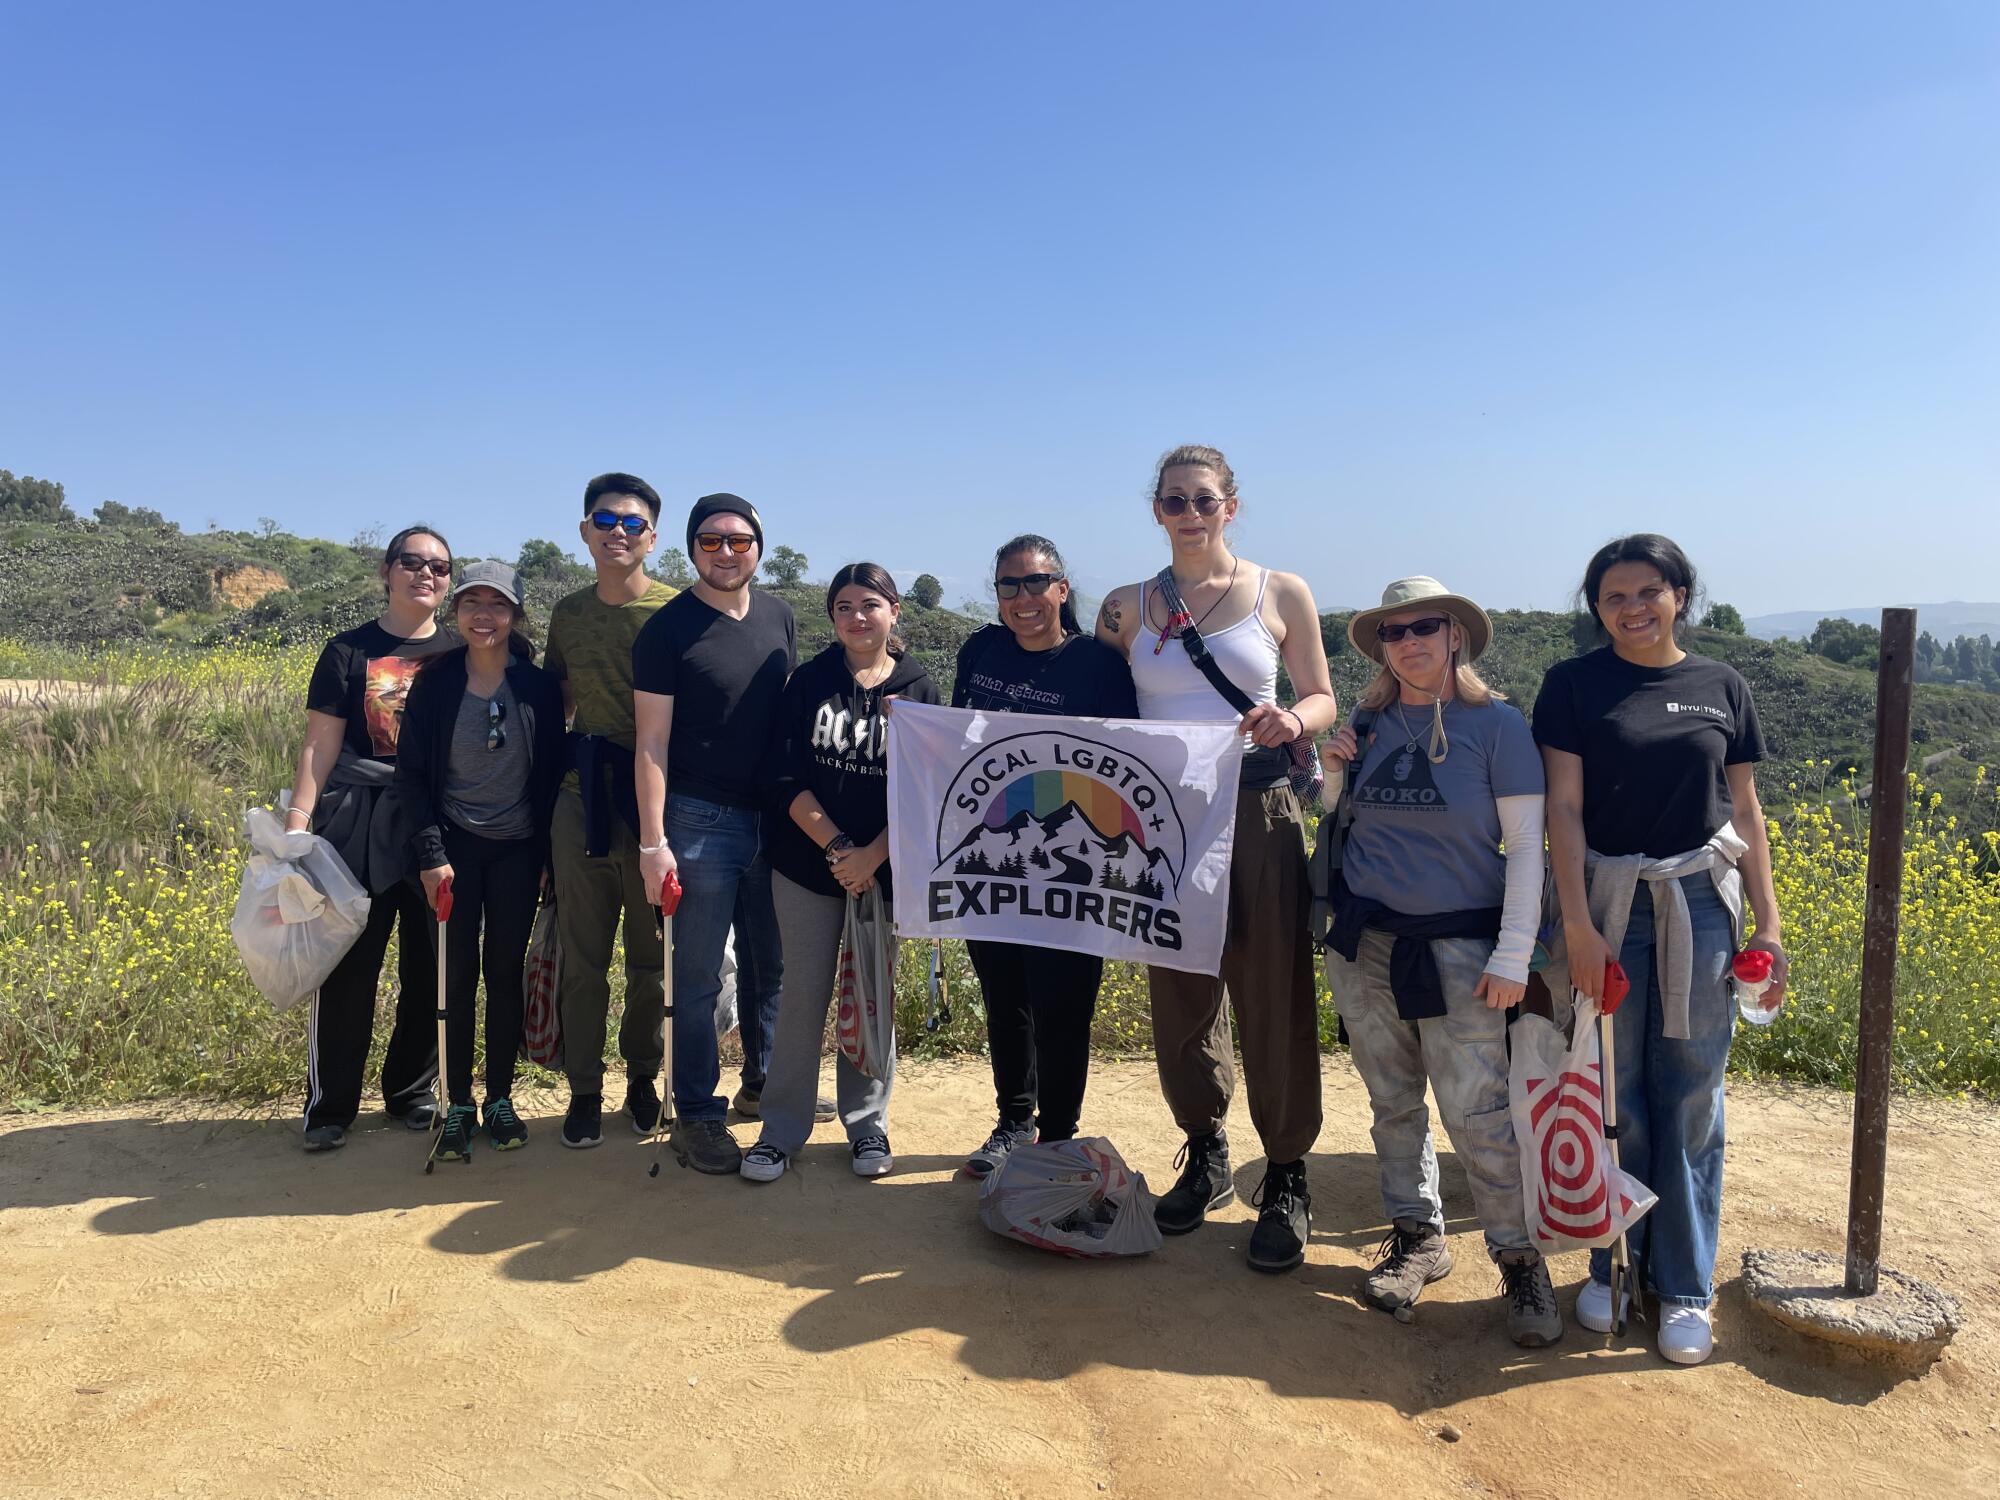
column 343, row 791
column 1656, row 838
column 827, row 828
column 481, row 758
column 1247, row 620
column 1433, row 931
column 1039, row 1001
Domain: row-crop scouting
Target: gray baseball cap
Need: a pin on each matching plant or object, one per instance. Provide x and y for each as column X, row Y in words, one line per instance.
column 497, row 576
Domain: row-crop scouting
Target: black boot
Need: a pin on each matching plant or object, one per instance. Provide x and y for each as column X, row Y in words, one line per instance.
column 1284, row 1220
column 1204, row 1183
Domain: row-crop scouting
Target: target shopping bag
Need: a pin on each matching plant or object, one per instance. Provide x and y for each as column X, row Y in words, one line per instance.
column 541, row 1016
column 1576, row 1198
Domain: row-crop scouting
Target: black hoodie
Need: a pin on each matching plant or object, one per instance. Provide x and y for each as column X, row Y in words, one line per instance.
column 831, row 741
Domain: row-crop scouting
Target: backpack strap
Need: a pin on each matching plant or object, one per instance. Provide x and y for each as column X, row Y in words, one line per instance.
column 1197, row 648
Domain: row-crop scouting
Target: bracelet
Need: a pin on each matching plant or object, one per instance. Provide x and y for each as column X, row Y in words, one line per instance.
column 659, row 848
column 838, row 844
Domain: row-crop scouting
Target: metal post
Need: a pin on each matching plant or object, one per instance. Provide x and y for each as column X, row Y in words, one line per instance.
column 1889, row 798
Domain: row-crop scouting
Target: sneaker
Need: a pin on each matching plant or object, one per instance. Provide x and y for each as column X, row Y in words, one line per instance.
column 1204, row 1183
column 459, row 1123
column 764, row 1162
column 503, row 1127
column 1284, row 1218
column 326, row 1138
column 642, row 1103
column 707, row 1146
column 1593, row 1306
column 419, row 1116
column 1687, row 1337
column 825, row 1111
column 583, row 1126
column 1533, row 1319
column 997, row 1147
column 748, row 1103
column 1411, row 1256
column 872, row 1157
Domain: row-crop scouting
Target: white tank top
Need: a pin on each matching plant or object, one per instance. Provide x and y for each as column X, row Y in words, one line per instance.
column 1172, row 687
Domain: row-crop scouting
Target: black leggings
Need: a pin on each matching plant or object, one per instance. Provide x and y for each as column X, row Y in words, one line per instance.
column 1039, row 1006
column 497, row 883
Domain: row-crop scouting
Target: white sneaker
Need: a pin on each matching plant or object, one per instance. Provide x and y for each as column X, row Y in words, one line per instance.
column 871, row 1156
column 1593, row 1306
column 764, row 1162
column 1686, row 1335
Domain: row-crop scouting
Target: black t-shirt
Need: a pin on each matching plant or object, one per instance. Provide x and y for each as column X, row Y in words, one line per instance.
column 725, row 676
column 1082, row 677
column 363, row 676
column 833, row 742
column 1654, row 742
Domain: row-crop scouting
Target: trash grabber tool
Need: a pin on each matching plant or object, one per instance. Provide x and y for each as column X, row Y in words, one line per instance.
column 443, row 1080
column 940, row 996
column 1616, row 987
column 663, row 917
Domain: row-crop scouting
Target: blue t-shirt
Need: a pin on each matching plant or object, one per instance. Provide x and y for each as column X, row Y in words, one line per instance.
column 1426, row 839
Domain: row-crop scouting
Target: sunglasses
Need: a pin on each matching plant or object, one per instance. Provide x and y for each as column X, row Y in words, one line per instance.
column 1390, row 634
column 1176, row 505
column 714, row 541
column 496, row 720
column 416, row 562
column 611, row 520
column 1008, row 587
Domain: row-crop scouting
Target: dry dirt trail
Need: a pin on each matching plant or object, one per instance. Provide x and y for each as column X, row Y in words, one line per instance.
column 190, row 1306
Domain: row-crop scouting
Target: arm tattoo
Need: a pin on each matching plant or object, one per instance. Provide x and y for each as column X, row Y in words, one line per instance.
column 1108, row 617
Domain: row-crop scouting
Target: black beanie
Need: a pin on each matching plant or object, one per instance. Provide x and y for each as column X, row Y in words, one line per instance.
column 723, row 504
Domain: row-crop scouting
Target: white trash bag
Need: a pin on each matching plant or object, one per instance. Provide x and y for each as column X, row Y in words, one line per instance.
column 298, row 912
column 1073, row 1197
column 1576, row 1199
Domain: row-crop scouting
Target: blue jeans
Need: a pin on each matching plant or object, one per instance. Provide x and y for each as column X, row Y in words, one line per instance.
column 725, row 882
column 1670, row 1100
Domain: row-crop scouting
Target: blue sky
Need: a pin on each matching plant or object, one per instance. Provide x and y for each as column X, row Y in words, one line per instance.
column 1460, row 288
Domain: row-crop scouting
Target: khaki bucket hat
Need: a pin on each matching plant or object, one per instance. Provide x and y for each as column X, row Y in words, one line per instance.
column 1421, row 593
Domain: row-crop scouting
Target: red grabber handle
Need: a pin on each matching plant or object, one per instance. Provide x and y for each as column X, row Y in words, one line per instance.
column 1616, row 988
column 670, row 894
column 444, row 900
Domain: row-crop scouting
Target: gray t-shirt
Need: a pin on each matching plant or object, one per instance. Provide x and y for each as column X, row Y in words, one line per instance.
column 486, row 785
column 1426, row 839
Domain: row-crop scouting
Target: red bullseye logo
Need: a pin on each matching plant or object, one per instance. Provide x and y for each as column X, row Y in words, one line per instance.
column 1571, row 1198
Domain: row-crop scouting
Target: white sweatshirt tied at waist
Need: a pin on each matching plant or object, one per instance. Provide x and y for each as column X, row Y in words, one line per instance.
column 1613, row 880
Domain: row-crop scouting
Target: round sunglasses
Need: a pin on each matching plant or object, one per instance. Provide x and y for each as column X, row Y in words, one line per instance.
column 1176, row 505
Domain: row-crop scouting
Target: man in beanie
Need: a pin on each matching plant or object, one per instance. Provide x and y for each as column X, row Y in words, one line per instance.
column 707, row 672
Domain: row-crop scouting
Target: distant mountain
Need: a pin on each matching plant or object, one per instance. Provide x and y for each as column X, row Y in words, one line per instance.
column 1064, row 848
column 1945, row 622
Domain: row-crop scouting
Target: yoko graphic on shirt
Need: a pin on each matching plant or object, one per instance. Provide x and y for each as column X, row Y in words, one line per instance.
column 1055, row 825
column 1402, row 783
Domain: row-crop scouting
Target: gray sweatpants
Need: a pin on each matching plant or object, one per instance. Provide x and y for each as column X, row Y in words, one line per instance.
column 1463, row 1056
column 809, row 931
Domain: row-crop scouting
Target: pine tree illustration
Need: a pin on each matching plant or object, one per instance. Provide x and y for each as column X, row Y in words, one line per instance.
column 1038, row 857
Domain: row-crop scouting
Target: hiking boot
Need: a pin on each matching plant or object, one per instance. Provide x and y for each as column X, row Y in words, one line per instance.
column 326, row 1138
column 764, row 1162
column 503, row 1127
column 749, row 1103
column 707, row 1146
column 459, row 1123
column 1410, row 1258
column 998, row 1146
column 825, row 1111
column 642, row 1103
column 872, row 1157
column 583, row 1126
column 419, row 1116
column 1204, row 1183
column 1284, row 1218
column 1533, row 1319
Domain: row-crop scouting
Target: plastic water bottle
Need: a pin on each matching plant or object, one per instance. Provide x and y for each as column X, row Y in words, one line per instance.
column 1751, row 973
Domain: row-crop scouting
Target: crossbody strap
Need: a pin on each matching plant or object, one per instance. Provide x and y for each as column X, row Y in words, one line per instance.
column 1197, row 648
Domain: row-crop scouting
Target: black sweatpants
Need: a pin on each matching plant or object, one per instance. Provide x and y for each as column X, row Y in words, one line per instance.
column 343, row 1015
column 1039, row 1005
column 495, row 887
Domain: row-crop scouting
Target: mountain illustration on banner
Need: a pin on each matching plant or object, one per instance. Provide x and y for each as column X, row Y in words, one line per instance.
column 1067, row 830
column 1402, row 783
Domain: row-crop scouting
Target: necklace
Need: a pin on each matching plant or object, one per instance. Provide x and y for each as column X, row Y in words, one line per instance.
column 1179, row 620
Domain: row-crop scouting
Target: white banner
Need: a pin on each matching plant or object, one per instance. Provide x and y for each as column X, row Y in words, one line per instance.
column 1105, row 836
